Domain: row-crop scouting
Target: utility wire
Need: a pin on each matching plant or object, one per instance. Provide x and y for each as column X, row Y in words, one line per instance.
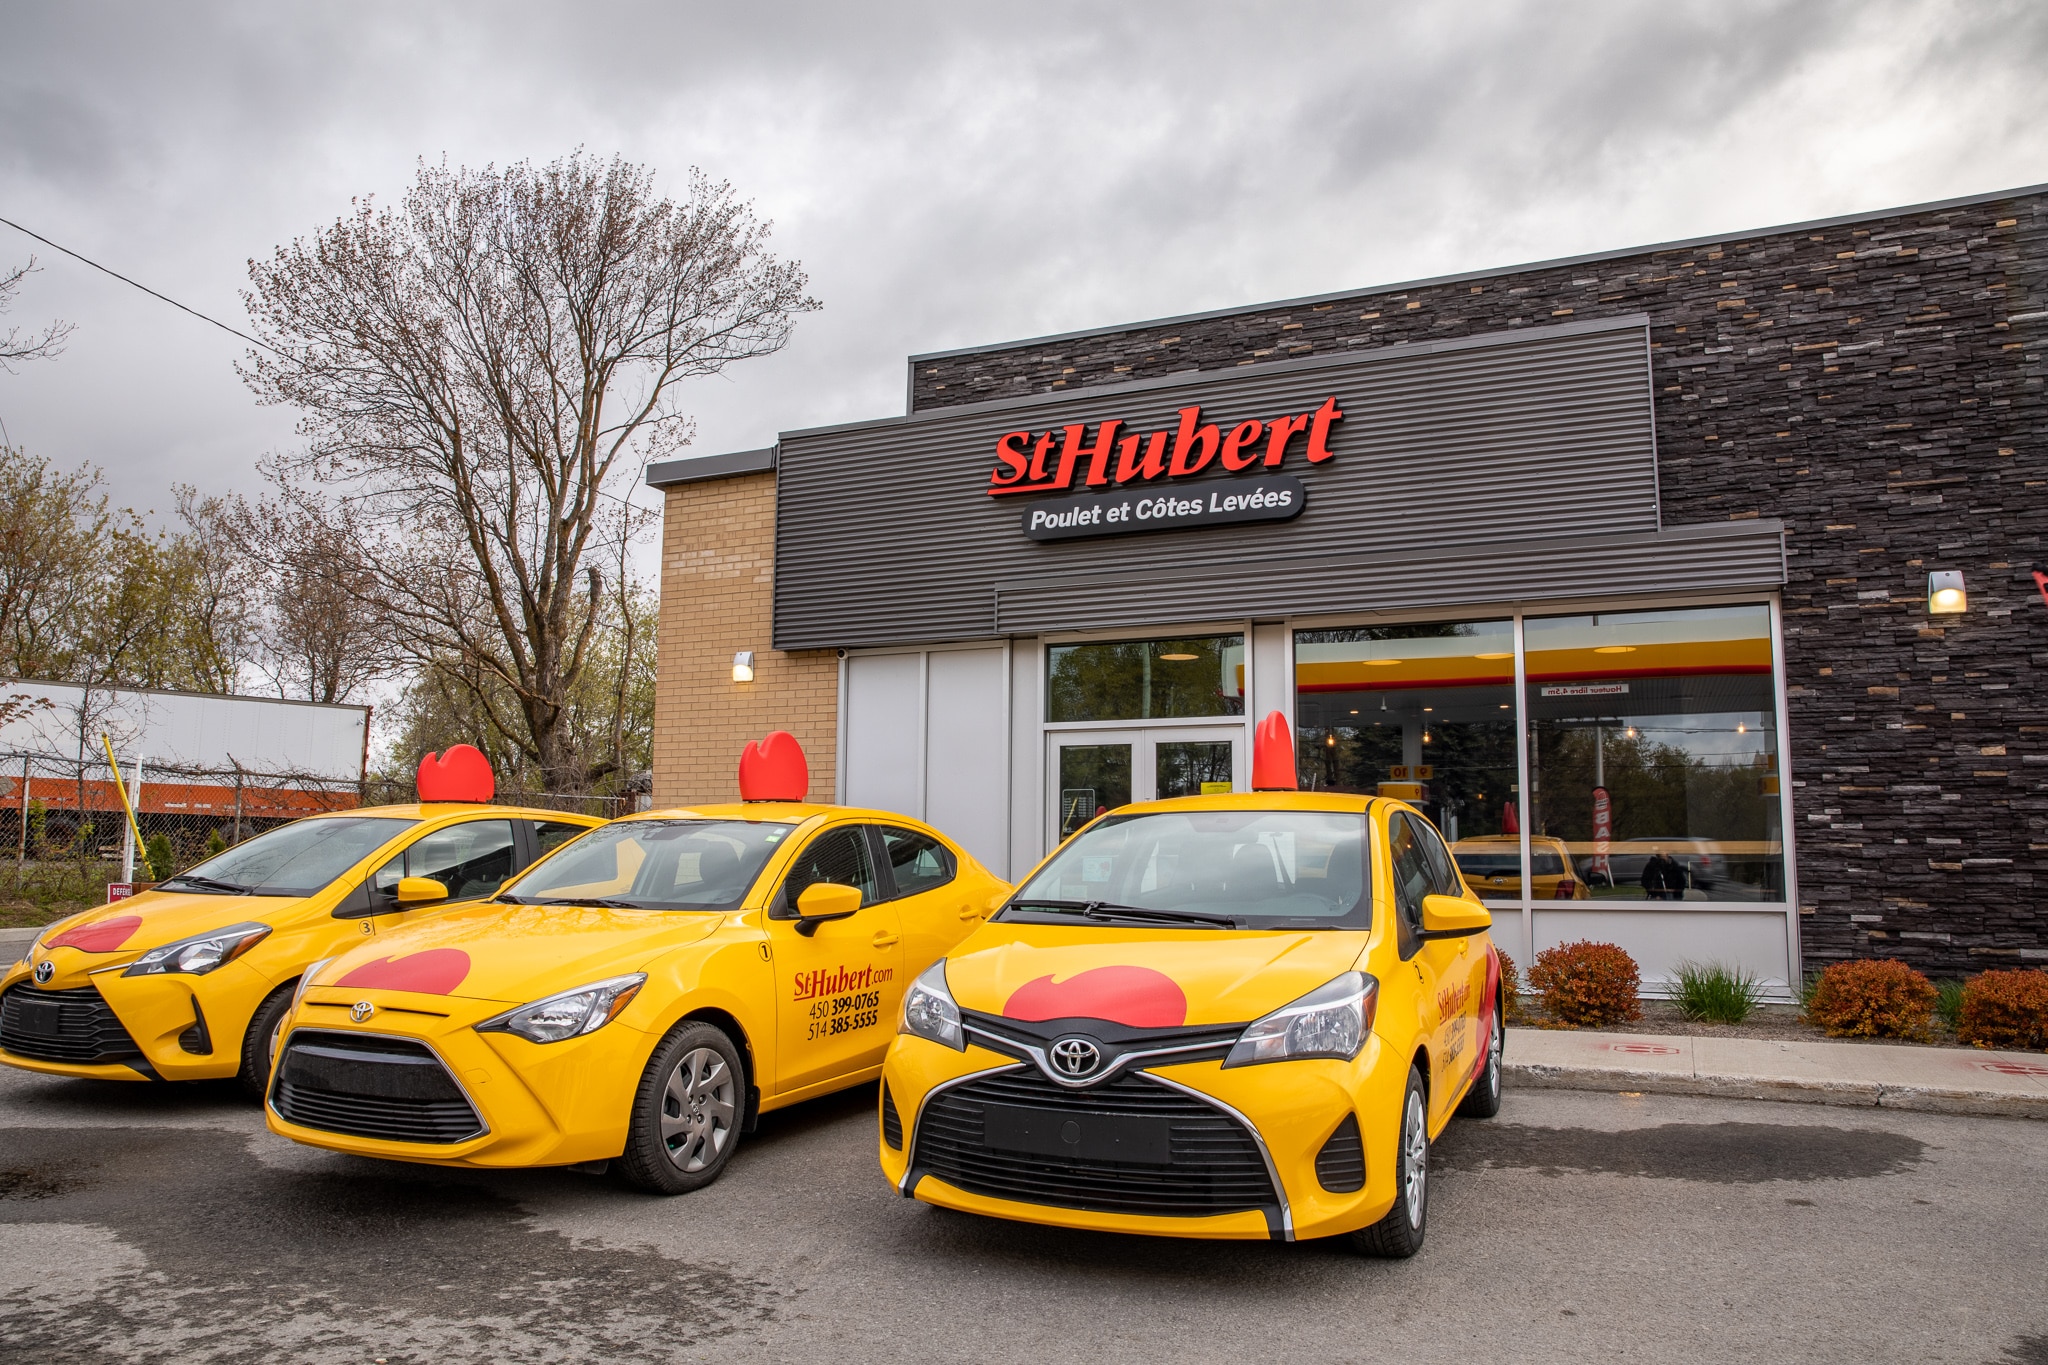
column 144, row 288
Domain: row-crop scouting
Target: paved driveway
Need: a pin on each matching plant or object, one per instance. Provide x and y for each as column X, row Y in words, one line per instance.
column 163, row 1223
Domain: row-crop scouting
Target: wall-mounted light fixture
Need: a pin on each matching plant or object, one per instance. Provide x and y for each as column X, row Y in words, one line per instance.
column 1945, row 595
column 743, row 666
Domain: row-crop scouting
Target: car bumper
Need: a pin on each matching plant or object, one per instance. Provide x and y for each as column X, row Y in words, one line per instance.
column 1289, row 1110
column 553, row 1104
column 171, row 1027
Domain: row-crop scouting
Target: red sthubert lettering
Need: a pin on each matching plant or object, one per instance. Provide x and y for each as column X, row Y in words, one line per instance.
column 1118, row 456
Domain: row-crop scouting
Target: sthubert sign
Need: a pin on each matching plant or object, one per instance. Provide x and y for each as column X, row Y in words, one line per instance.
column 1025, row 461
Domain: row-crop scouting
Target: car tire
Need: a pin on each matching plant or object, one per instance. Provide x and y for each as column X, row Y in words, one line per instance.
column 259, row 1042
column 687, row 1112
column 1399, row 1234
column 1483, row 1100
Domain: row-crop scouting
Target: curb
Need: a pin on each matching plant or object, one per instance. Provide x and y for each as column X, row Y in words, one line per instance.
column 1847, row 1094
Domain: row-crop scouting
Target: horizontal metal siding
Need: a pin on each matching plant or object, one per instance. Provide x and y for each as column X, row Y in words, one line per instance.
column 884, row 532
column 1690, row 559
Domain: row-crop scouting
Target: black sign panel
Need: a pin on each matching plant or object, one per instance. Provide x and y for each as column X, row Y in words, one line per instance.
column 1166, row 508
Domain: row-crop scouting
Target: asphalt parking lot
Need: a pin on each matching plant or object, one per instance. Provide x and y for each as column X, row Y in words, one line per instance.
column 163, row 1224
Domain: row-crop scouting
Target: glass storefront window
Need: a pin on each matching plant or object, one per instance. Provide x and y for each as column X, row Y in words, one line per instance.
column 1654, row 754
column 1423, row 712
column 1093, row 777
column 1146, row 679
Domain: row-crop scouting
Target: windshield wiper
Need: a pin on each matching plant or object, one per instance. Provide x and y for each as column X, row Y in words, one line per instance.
column 1105, row 910
column 210, row 884
column 602, row 902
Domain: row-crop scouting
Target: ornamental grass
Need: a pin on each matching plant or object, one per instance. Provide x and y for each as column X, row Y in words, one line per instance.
column 1873, row 998
column 1715, row 994
column 1586, row 985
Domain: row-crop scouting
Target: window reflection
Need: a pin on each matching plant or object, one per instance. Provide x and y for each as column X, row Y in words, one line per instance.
column 1146, row 679
column 1654, row 752
column 1423, row 712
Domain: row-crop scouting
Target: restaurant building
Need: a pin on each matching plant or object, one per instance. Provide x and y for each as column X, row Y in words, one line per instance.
column 1637, row 572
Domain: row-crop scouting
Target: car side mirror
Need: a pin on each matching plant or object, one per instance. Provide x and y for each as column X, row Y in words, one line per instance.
column 1453, row 917
column 419, row 891
column 822, row 901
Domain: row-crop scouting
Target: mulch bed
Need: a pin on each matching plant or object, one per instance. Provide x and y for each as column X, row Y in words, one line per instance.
column 1770, row 1023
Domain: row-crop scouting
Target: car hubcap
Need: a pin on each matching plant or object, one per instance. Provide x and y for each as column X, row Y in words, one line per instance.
column 697, row 1109
column 1415, row 1137
column 1493, row 1056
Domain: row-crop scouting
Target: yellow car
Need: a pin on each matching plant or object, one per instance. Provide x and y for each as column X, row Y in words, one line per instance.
column 640, row 998
column 1492, row 863
column 1217, row 1016
column 190, row 981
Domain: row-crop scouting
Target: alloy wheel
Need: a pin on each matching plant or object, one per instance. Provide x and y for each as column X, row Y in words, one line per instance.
column 1415, row 1139
column 697, row 1109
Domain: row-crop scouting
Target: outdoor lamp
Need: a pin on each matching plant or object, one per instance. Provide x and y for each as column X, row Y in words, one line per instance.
column 743, row 666
column 1945, row 595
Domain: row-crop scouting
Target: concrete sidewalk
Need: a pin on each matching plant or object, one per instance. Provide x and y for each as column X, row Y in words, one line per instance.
column 1939, row 1080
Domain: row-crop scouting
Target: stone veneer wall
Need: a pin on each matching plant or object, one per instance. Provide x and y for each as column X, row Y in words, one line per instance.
column 717, row 597
column 1878, row 385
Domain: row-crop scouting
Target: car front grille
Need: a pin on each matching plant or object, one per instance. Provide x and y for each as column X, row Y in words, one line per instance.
column 370, row 1086
column 76, row 1025
column 1213, row 1163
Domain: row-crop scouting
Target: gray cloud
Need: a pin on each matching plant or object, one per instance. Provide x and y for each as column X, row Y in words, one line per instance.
column 953, row 174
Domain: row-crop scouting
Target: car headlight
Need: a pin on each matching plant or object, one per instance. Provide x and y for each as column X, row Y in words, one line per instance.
column 201, row 953
column 1330, row 1021
column 929, row 1011
column 306, row 980
column 570, row 1014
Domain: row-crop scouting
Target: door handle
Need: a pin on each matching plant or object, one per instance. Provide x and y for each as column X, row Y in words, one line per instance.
column 969, row 912
column 885, row 939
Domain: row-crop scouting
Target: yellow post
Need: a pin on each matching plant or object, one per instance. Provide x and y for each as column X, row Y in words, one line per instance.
column 121, row 786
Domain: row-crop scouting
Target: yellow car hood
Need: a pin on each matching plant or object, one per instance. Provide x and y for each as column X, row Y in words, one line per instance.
column 1146, row 978
column 117, row 932
column 514, row 953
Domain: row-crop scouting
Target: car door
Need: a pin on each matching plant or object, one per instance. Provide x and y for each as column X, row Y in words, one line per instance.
column 1461, row 976
column 838, row 983
column 1432, row 961
column 471, row 858
column 924, row 880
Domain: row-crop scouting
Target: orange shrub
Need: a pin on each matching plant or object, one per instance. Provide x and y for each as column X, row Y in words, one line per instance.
column 1872, row 998
column 1510, row 990
column 1587, row 983
column 2006, row 1009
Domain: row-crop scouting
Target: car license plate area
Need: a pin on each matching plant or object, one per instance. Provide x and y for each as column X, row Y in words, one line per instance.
column 43, row 1018
column 396, row 1078
column 1089, row 1137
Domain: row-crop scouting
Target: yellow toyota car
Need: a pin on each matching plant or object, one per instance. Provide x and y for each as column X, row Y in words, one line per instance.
column 639, row 998
column 189, row 981
column 1216, row 1016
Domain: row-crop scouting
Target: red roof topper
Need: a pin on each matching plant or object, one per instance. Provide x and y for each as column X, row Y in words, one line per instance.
column 458, row 773
column 1273, row 755
column 774, row 769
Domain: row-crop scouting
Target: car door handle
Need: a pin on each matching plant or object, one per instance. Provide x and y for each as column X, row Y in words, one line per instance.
column 969, row 912
column 885, row 939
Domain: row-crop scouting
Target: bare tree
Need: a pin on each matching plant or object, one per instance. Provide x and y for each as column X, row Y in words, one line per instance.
column 322, row 636
column 479, row 371
column 47, row 344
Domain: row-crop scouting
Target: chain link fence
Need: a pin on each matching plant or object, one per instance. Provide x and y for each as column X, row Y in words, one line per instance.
column 63, row 833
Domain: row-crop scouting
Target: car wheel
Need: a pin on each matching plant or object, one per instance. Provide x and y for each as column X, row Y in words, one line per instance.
column 686, row 1114
column 1483, row 1100
column 259, row 1043
column 1400, row 1233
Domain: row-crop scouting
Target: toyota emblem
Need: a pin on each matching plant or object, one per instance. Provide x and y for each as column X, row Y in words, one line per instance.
column 1076, row 1057
column 44, row 971
column 361, row 1010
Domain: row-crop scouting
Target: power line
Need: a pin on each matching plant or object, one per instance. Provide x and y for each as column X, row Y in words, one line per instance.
column 144, row 288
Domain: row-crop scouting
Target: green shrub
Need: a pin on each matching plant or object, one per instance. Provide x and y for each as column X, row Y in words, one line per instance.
column 215, row 844
column 1873, row 998
column 1949, row 1003
column 1587, row 984
column 2006, row 1009
column 1714, row 993
column 162, row 862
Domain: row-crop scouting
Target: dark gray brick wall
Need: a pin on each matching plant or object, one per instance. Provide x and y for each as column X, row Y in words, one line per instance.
column 1878, row 384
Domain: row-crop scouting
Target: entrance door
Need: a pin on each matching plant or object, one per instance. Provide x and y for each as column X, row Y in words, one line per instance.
column 1088, row 771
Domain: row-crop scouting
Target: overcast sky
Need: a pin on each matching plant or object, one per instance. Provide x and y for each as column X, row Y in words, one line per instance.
column 952, row 174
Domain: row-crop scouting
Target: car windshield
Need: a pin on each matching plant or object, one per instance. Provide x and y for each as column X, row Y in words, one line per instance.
column 294, row 860
column 655, row 865
column 1256, row 869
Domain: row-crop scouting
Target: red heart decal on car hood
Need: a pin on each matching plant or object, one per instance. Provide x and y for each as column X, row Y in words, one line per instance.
column 100, row 936
column 437, row 971
column 460, row 773
column 1137, row 996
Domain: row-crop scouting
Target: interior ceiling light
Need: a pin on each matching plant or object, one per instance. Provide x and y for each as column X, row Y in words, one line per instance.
column 1429, row 708
column 1354, row 713
column 1614, row 649
column 1508, row 655
column 1331, row 741
column 1503, row 706
column 1945, row 595
column 1180, row 658
column 1382, row 663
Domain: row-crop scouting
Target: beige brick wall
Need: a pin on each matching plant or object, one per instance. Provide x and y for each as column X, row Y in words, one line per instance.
column 717, row 597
